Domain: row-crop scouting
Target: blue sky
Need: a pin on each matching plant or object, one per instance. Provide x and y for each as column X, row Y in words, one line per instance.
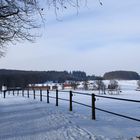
column 97, row 40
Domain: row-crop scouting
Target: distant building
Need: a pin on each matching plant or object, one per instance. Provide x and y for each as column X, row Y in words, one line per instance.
column 4, row 88
column 67, row 86
column 89, row 85
column 80, row 85
column 48, row 85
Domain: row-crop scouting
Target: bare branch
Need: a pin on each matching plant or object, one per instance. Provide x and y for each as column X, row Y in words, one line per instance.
column 19, row 17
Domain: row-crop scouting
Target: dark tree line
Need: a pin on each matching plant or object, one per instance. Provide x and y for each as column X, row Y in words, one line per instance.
column 16, row 78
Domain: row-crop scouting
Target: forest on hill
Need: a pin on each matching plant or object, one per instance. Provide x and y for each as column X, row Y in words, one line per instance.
column 121, row 75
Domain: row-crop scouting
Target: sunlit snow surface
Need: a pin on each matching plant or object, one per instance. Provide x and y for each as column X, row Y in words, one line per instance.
column 29, row 119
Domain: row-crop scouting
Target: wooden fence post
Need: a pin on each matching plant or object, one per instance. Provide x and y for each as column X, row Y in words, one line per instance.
column 48, row 96
column 4, row 94
column 23, row 92
column 93, row 106
column 28, row 93
column 34, row 93
column 13, row 92
column 56, row 97
column 70, row 106
column 17, row 92
column 40, row 95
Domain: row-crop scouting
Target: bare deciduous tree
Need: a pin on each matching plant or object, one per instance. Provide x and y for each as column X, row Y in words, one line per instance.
column 138, row 83
column 100, row 86
column 17, row 19
column 113, row 86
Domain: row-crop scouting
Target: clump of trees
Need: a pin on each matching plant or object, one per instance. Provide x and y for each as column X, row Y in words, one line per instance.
column 100, row 86
column 78, row 75
column 113, row 87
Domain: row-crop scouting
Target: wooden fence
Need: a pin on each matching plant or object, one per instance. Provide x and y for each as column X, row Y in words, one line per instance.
column 28, row 92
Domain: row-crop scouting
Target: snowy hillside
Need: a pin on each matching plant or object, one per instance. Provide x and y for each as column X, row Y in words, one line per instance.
column 28, row 119
column 125, row 84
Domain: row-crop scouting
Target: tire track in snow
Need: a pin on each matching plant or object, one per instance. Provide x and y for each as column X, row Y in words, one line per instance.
column 63, row 128
column 33, row 120
column 25, row 119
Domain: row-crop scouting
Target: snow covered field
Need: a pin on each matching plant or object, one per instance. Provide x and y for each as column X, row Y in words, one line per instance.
column 28, row 119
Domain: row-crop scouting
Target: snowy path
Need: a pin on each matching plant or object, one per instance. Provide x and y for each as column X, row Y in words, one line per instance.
column 25, row 119
column 28, row 119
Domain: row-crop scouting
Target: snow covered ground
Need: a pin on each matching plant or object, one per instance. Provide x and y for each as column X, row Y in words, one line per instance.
column 25, row 119
column 28, row 119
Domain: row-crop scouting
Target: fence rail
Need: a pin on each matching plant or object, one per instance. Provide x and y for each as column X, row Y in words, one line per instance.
column 71, row 101
column 129, row 100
